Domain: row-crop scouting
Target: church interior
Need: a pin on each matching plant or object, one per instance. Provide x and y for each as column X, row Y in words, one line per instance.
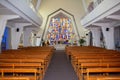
column 59, row 39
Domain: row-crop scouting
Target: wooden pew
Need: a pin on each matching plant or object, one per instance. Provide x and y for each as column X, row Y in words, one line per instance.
column 22, row 58
column 109, row 78
column 83, row 58
column 83, row 67
column 36, row 66
column 40, row 61
column 21, row 71
column 29, row 57
column 76, row 64
column 100, row 70
column 14, row 78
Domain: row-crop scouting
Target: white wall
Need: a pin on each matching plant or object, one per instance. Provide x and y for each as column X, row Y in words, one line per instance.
column 74, row 7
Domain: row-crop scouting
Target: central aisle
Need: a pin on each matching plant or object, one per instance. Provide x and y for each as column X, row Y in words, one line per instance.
column 60, row 68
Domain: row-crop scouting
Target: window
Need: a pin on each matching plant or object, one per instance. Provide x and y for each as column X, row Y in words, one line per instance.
column 60, row 31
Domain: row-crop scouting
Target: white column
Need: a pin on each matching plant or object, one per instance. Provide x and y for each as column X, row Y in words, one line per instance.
column 38, row 41
column 27, row 37
column 84, row 5
column 108, row 33
column 96, row 36
column 15, row 35
column 33, row 39
column 87, row 39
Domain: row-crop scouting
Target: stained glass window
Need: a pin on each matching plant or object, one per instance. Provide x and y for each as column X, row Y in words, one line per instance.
column 60, row 31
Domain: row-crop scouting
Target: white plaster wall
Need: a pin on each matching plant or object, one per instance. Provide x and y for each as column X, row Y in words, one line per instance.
column 74, row 7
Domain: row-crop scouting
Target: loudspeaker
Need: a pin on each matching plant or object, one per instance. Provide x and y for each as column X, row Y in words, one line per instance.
column 34, row 34
column 17, row 30
column 107, row 29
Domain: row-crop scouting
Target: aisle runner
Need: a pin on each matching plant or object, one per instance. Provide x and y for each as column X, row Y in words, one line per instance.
column 60, row 68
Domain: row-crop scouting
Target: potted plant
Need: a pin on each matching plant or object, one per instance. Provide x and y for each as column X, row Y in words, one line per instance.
column 81, row 41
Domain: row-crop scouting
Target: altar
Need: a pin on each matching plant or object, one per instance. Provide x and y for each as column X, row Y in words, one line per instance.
column 60, row 46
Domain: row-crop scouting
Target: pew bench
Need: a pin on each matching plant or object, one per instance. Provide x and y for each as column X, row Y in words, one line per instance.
column 20, row 71
column 83, row 67
column 109, row 78
column 36, row 66
column 100, row 70
column 14, row 78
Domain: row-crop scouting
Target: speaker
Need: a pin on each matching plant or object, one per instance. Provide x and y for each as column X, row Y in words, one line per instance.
column 34, row 34
column 17, row 30
column 107, row 29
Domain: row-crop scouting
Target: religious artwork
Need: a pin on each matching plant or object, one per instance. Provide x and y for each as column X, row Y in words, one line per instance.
column 60, row 31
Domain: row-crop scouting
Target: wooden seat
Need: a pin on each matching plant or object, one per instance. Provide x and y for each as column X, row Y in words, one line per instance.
column 26, row 60
column 20, row 70
column 83, row 67
column 109, row 78
column 14, row 78
column 100, row 70
column 85, row 57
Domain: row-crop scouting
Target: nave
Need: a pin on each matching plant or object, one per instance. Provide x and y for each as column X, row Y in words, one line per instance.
column 46, row 63
column 60, row 68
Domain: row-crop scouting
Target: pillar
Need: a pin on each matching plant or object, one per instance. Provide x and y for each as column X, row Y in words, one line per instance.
column 16, row 32
column 3, row 22
column 108, row 33
column 96, row 36
column 88, row 39
column 27, row 37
